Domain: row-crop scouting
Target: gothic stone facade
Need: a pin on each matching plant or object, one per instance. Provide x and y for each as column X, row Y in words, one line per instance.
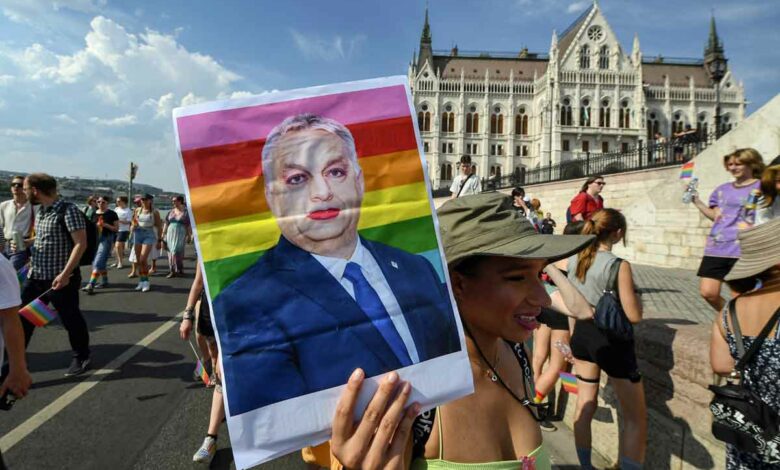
column 513, row 112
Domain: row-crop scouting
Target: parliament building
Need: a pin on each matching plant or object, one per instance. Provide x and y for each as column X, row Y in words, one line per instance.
column 518, row 111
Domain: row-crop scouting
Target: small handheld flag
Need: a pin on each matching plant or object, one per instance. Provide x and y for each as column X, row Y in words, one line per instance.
column 687, row 170
column 38, row 312
column 569, row 382
column 200, row 371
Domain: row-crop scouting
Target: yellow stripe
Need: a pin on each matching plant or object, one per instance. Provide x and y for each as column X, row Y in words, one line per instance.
column 233, row 237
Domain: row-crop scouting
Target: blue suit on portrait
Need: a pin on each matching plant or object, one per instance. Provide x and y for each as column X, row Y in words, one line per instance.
column 288, row 328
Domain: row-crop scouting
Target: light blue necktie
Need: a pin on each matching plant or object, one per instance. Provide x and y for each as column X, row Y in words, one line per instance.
column 369, row 301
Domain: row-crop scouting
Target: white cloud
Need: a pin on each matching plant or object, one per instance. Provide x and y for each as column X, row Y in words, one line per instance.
column 578, row 7
column 121, row 121
column 65, row 118
column 107, row 93
column 31, row 11
column 318, row 48
column 13, row 132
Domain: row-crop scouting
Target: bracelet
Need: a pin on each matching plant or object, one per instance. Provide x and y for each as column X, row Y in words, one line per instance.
column 187, row 316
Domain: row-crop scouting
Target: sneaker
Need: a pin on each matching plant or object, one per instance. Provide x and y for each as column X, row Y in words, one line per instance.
column 89, row 289
column 145, row 287
column 547, row 426
column 132, row 275
column 170, row 275
column 139, row 286
column 120, row 266
column 206, row 451
column 77, row 367
column 102, row 284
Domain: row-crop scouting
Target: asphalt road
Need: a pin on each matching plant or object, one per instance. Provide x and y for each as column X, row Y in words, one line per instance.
column 138, row 407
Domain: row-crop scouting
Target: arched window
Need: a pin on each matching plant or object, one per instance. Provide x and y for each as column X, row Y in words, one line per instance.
column 585, row 113
column 604, row 120
column 702, row 126
column 448, row 120
column 521, row 122
column 446, row 171
column 653, row 126
column 495, row 171
column 497, row 122
column 585, row 57
column 424, row 119
column 604, row 57
column 472, row 121
column 624, row 119
column 725, row 124
column 565, row 113
column 678, row 123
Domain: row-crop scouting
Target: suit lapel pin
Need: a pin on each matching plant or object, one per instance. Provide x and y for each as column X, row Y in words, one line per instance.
column 394, row 264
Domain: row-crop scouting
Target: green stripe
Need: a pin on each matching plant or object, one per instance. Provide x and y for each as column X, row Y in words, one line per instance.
column 413, row 236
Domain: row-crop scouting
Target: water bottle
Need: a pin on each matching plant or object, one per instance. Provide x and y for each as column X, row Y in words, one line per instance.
column 751, row 204
column 18, row 238
column 690, row 191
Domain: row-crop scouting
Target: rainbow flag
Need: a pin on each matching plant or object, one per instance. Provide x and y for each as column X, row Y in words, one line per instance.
column 200, row 371
column 687, row 170
column 22, row 274
column 569, row 382
column 38, row 312
column 220, row 152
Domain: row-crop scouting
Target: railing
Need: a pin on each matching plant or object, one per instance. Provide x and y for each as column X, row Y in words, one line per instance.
column 655, row 155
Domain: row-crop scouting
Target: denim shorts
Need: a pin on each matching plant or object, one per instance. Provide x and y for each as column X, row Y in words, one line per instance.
column 144, row 236
column 122, row 236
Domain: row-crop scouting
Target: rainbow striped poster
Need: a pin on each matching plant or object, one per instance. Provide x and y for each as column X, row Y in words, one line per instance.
column 316, row 230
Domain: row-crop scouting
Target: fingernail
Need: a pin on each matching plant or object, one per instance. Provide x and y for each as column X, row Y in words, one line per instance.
column 392, row 377
column 356, row 375
column 406, row 388
column 416, row 409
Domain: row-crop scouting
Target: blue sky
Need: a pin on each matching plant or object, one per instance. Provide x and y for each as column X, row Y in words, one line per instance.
column 88, row 85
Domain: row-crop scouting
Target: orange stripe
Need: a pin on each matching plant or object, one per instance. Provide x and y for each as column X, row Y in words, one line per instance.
column 246, row 196
column 223, row 163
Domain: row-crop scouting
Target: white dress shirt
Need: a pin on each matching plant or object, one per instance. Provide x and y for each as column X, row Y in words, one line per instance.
column 376, row 279
column 470, row 185
column 12, row 219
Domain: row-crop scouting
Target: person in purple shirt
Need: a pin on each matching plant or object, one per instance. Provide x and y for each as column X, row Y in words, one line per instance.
column 727, row 209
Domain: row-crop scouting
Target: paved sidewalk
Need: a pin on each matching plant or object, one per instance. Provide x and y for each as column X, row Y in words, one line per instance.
column 673, row 293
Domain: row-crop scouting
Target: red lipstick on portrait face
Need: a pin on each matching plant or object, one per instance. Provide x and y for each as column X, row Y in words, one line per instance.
column 325, row 214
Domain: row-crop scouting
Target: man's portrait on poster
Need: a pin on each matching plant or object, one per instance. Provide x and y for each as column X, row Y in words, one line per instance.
column 324, row 300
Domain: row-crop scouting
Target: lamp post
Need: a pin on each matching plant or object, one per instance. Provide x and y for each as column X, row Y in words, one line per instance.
column 550, row 143
column 715, row 63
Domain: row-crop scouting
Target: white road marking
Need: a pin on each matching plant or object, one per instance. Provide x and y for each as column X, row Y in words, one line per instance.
column 39, row 418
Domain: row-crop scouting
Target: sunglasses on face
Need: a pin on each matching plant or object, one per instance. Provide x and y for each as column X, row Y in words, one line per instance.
column 602, row 184
column 16, row 185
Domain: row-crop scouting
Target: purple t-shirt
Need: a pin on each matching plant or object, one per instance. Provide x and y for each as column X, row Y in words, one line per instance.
column 722, row 240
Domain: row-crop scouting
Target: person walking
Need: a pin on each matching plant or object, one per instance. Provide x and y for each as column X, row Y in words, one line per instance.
column 60, row 241
column 146, row 236
column 467, row 182
column 176, row 232
column 595, row 350
column 125, row 215
column 132, row 259
column 16, row 222
column 548, row 225
column 748, row 314
column 107, row 223
column 588, row 200
column 726, row 208
column 90, row 207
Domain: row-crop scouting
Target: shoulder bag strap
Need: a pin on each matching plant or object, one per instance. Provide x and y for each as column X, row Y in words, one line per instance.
column 463, row 185
column 732, row 313
column 758, row 341
column 612, row 281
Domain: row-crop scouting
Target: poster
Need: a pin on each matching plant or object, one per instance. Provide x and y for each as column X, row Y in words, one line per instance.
column 315, row 225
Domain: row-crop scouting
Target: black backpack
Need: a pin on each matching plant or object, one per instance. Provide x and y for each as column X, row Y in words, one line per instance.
column 610, row 316
column 91, row 229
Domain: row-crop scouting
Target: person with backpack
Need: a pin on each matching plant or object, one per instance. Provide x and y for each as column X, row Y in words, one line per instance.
column 60, row 242
column 597, row 273
column 746, row 339
column 466, row 183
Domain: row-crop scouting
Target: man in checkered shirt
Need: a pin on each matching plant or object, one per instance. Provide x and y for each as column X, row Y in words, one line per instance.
column 54, row 264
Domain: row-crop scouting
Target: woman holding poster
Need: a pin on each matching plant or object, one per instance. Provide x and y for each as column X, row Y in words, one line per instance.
column 494, row 260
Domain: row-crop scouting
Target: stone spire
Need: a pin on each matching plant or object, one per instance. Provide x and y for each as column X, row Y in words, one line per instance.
column 714, row 44
column 554, row 41
column 636, row 54
column 426, row 48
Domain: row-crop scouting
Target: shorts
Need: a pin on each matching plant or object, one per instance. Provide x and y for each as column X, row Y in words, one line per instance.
column 204, row 325
column 144, row 236
column 715, row 267
column 616, row 358
column 554, row 319
column 122, row 237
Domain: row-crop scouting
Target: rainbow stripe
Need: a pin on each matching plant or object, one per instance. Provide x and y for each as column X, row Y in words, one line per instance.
column 221, row 150
column 569, row 382
column 200, row 371
column 38, row 312
column 687, row 170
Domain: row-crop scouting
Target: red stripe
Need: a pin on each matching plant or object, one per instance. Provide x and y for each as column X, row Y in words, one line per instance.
column 212, row 165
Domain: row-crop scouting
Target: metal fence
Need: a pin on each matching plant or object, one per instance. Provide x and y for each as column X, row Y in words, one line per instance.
column 655, row 155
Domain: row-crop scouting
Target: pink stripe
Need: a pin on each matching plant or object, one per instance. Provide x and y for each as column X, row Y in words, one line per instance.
column 255, row 122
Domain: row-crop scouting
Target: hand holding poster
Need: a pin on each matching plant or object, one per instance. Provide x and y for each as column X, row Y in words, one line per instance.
column 316, row 230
